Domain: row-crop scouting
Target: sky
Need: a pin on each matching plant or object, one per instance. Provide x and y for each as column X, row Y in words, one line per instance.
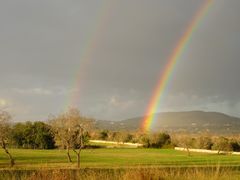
column 105, row 57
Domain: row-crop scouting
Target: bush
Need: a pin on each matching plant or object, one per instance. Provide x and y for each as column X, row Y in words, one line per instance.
column 103, row 135
column 159, row 140
column 156, row 140
column 235, row 146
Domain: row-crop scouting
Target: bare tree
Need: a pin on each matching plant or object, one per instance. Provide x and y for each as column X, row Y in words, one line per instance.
column 5, row 119
column 71, row 129
column 222, row 144
column 79, row 139
column 62, row 132
column 184, row 140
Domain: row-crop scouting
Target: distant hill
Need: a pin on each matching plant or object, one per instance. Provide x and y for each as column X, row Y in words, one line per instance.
column 191, row 121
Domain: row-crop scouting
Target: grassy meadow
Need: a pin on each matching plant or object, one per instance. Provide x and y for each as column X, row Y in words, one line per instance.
column 118, row 163
column 115, row 157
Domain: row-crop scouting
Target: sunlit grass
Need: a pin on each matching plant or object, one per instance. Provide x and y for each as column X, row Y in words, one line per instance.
column 115, row 158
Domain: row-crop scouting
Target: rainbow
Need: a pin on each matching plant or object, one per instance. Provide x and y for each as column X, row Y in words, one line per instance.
column 93, row 38
column 171, row 63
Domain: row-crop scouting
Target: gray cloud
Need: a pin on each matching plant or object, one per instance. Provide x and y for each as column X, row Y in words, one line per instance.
column 42, row 44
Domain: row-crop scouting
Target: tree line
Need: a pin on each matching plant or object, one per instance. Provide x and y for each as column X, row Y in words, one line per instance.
column 71, row 131
column 68, row 130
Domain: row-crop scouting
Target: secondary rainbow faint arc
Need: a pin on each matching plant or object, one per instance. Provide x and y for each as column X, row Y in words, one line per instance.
column 89, row 46
column 171, row 63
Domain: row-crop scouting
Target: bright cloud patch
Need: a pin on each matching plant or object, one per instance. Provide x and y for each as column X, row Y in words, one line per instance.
column 3, row 102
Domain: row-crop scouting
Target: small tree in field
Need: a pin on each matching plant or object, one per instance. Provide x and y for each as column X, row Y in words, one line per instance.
column 145, row 140
column 222, row 144
column 62, row 133
column 80, row 139
column 204, row 142
column 185, row 141
column 5, row 134
column 71, row 129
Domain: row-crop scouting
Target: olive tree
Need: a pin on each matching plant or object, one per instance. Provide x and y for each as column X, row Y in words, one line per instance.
column 5, row 131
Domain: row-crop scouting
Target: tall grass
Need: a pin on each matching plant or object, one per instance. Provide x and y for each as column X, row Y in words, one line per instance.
column 210, row 173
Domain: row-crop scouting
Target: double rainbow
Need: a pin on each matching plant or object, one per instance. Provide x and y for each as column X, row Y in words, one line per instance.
column 165, row 77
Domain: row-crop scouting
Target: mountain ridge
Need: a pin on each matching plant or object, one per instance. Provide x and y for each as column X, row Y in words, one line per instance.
column 191, row 121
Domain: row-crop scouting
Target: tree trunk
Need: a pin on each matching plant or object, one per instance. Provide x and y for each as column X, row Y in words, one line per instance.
column 78, row 159
column 12, row 162
column 188, row 151
column 78, row 156
column 68, row 155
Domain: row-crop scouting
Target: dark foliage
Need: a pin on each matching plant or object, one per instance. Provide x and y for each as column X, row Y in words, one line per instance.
column 37, row 135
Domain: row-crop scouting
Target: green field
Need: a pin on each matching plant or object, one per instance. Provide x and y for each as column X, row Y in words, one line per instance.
column 115, row 158
column 119, row 163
